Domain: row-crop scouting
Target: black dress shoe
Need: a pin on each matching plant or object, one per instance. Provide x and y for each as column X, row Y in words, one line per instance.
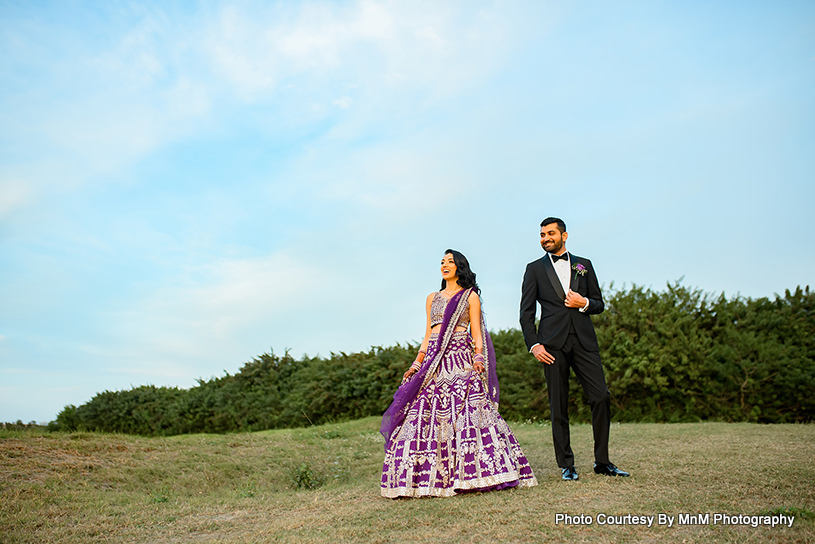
column 609, row 470
column 569, row 473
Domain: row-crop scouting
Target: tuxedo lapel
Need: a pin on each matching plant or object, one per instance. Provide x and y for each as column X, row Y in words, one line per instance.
column 550, row 271
column 573, row 275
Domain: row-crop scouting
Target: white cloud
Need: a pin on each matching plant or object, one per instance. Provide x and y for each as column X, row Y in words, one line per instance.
column 258, row 47
column 345, row 102
column 153, row 79
column 13, row 195
column 402, row 46
column 211, row 317
column 108, row 99
column 187, row 98
column 245, row 290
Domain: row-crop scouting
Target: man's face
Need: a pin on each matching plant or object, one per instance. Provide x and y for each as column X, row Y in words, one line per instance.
column 552, row 240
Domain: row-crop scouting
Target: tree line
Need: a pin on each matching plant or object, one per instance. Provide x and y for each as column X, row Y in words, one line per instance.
column 678, row 355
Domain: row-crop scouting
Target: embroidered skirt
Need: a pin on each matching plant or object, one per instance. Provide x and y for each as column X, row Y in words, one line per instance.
column 452, row 439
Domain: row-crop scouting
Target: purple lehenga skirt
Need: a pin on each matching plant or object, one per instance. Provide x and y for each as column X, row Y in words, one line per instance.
column 452, row 439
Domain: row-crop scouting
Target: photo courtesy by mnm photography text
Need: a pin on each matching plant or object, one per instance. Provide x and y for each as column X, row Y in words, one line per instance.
column 681, row 519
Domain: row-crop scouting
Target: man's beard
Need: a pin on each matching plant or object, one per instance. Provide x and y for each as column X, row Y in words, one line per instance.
column 555, row 247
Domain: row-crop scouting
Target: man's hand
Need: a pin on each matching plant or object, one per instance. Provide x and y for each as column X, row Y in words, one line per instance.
column 575, row 300
column 542, row 355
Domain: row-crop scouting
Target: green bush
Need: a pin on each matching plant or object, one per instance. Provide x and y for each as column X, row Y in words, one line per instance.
column 671, row 356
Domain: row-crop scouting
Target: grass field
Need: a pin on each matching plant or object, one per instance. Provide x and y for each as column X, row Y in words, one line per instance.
column 321, row 484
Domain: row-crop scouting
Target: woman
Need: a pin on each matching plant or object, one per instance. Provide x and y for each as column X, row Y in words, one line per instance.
column 443, row 434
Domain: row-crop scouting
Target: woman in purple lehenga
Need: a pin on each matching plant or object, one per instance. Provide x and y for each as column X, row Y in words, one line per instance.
column 443, row 434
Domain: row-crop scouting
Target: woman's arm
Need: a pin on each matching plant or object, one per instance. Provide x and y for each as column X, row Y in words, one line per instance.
column 425, row 341
column 475, row 329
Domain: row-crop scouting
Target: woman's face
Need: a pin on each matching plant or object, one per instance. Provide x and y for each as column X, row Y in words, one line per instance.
column 448, row 269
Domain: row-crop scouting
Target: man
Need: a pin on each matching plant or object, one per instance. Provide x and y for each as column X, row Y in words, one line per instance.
column 566, row 287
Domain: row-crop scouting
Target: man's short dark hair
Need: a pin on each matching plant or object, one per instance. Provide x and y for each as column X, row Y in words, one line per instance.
column 560, row 224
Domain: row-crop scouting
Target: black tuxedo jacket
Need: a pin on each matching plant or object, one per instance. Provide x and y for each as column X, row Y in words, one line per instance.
column 541, row 285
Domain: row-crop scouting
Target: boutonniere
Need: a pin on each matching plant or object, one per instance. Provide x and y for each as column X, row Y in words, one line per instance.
column 579, row 269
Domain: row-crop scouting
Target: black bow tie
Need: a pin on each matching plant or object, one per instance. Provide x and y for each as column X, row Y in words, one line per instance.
column 556, row 258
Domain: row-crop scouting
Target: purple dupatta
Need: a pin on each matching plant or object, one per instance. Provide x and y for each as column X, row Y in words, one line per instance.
column 408, row 391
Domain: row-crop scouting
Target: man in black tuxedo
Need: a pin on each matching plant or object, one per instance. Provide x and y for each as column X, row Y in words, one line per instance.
column 566, row 287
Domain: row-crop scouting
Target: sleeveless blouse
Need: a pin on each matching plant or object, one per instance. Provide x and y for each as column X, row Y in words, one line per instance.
column 437, row 307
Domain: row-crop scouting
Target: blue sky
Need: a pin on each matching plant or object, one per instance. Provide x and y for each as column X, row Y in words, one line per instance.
column 185, row 186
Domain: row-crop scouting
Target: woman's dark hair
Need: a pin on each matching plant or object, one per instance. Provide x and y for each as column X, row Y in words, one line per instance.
column 466, row 277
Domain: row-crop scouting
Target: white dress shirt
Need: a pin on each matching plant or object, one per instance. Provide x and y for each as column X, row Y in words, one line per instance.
column 562, row 268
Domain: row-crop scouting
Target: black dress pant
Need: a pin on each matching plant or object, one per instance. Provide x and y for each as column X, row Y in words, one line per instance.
column 589, row 371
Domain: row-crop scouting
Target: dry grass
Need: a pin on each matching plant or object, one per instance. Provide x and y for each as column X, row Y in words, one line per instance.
column 78, row 488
